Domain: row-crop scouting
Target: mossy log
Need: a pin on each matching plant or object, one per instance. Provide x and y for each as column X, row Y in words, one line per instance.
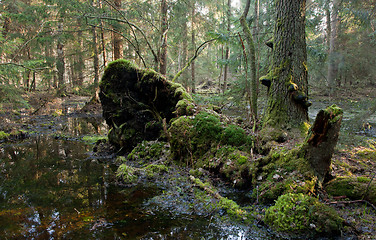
column 135, row 101
column 321, row 140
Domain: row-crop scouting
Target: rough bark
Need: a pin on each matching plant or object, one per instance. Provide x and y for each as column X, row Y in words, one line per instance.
column 117, row 40
column 322, row 139
column 288, row 85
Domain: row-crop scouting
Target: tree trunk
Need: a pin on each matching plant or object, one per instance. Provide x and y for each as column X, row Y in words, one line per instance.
column 96, row 59
column 60, row 64
column 227, row 51
column 193, row 69
column 80, row 59
column 103, row 42
column 117, row 40
column 288, row 103
column 333, row 62
column 322, row 139
column 252, row 61
column 164, row 29
column 185, row 52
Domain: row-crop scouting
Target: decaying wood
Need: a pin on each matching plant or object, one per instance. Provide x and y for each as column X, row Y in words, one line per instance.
column 322, row 139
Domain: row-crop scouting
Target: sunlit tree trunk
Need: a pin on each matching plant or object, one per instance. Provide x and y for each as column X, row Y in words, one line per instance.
column 185, row 52
column 333, row 61
column 252, row 61
column 287, row 105
column 164, row 29
column 95, row 58
column 80, row 59
column 103, row 42
column 227, row 51
column 193, row 69
column 117, row 40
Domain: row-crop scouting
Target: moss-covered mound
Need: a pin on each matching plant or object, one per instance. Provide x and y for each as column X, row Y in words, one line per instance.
column 135, row 101
column 298, row 213
column 207, row 140
column 355, row 188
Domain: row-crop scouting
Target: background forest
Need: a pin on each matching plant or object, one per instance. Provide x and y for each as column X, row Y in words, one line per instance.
column 64, row 45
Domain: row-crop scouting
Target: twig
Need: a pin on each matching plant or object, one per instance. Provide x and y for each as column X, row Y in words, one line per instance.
column 354, row 201
column 369, row 184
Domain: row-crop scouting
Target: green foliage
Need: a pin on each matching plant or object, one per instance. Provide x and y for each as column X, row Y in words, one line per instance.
column 4, row 135
column 10, row 94
column 299, row 212
column 126, row 173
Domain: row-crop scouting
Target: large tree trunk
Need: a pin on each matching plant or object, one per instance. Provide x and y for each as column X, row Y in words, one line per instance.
column 288, row 86
column 117, row 40
column 164, row 29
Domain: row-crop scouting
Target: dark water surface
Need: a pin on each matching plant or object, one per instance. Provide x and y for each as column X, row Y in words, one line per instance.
column 55, row 188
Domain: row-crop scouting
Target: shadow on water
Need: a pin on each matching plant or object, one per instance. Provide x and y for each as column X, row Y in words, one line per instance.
column 53, row 188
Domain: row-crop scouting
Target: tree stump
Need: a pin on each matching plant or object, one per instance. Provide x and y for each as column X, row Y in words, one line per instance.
column 321, row 140
column 135, row 101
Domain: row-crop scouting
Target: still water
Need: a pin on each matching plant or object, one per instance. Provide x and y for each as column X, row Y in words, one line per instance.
column 54, row 187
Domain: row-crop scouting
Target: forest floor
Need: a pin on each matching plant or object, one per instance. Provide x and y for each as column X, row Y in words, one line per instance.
column 355, row 154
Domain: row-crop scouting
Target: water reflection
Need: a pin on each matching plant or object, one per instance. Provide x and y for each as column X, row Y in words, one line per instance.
column 53, row 188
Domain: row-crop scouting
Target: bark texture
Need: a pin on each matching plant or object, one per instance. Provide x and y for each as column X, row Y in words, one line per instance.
column 322, row 139
column 288, row 102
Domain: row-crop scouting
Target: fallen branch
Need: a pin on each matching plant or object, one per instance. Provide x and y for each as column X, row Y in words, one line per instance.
column 351, row 202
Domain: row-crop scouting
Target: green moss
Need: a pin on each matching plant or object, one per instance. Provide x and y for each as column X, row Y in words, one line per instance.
column 299, row 212
column 93, row 139
column 154, row 169
column 126, row 173
column 235, row 136
column 4, row 135
column 148, row 150
column 353, row 187
column 283, row 172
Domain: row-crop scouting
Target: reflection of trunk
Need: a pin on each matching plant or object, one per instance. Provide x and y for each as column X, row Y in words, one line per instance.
column 193, row 74
column 164, row 28
column 118, row 46
column 227, row 54
column 333, row 62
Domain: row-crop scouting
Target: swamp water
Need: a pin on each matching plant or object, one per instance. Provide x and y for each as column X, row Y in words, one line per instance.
column 52, row 186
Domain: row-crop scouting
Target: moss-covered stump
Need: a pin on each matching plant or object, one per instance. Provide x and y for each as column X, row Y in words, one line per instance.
column 322, row 139
column 354, row 188
column 300, row 213
column 135, row 101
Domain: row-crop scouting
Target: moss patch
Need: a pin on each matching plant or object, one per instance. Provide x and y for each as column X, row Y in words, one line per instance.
column 353, row 187
column 295, row 213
